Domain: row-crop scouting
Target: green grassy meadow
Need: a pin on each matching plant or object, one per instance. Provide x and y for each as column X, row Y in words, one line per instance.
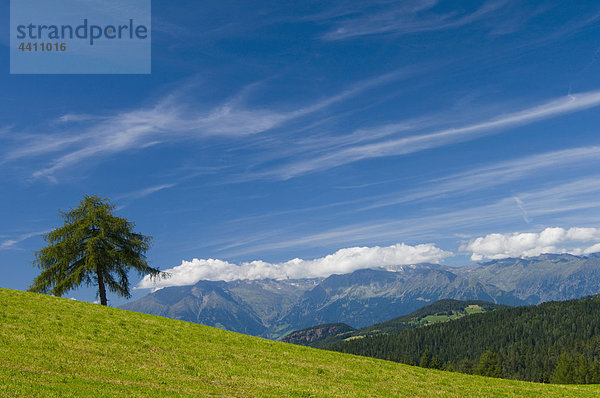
column 431, row 319
column 52, row 347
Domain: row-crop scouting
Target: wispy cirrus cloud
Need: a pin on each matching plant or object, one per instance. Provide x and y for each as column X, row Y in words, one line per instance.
column 12, row 243
column 73, row 117
column 497, row 174
column 477, row 179
column 420, row 142
column 145, row 191
column 561, row 202
column 5, row 129
column 520, row 203
column 173, row 118
column 406, row 17
column 569, row 28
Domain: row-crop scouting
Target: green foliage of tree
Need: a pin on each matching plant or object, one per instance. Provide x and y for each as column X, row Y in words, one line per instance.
column 575, row 370
column 489, row 365
column 580, row 371
column 436, row 363
column 465, row 365
column 429, row 361
column 564, row 370
column 93, row 247
column 425, row 361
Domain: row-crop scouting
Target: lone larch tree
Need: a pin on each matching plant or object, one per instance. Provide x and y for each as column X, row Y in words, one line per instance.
column 93, row 247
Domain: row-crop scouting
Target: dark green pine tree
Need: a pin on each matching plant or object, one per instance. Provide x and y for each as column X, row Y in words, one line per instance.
column 489, row 365
column 565, row 370
column 580, row 367
column 465, row 365
column 594, row 373
column 425, row 361
column 435, row 363
column 93, row 247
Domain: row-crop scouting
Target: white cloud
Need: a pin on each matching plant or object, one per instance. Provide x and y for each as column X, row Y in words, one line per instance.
column 520, row 203
column 174, row 118
column 575, row 202
column 497, row 174
column 72, row 117
column 145, row 192
column 5, row 129
column 11, row 244
column 407, row 17
column 529, row 244
column 592, row 249
column 341, row 262
column 420, row 142
column 8, row 244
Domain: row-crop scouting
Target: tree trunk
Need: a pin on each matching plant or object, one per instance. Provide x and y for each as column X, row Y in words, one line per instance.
column 101, row 288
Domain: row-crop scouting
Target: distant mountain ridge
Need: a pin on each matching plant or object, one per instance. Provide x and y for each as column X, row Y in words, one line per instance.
column 273, row 308
column 250, row 307
column 314, row 336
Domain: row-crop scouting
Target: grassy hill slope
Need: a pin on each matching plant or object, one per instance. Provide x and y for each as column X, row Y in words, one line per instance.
column 58, row 347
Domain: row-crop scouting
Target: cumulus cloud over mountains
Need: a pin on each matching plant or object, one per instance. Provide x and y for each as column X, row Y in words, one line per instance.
column 577, row 241
column 550, row 240
column 341, row 262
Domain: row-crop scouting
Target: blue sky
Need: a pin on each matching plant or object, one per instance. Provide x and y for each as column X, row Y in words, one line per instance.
column 279, row 130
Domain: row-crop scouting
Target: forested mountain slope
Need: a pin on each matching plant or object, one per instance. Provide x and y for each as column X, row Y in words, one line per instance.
column 527, row 342
column 323, row 336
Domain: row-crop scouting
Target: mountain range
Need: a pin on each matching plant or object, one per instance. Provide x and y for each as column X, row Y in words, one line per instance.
column 273, row 308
